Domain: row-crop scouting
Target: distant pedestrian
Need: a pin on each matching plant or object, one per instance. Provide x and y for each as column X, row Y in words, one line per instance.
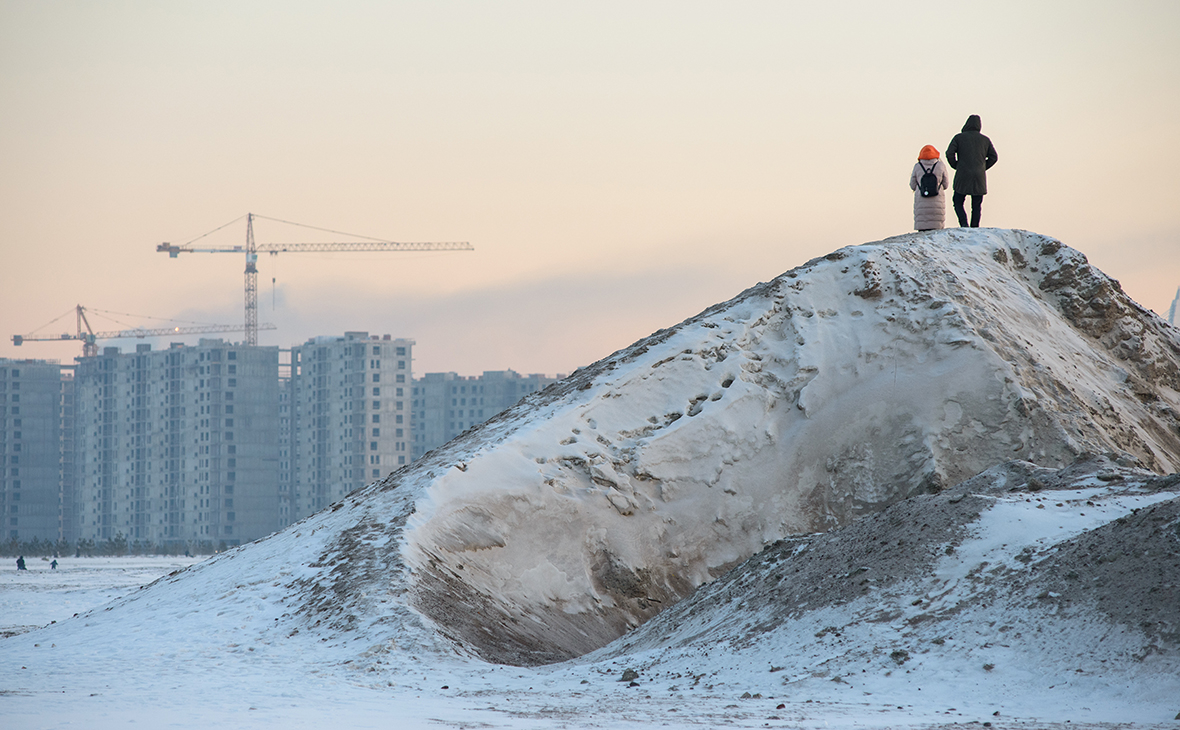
column 53, row 565
column 928, row 179
column 20, row 563
column 971, row 155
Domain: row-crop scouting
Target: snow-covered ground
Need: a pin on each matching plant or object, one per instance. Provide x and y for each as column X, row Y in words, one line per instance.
column 950, row 622
column 41, row 595
column 787, row 463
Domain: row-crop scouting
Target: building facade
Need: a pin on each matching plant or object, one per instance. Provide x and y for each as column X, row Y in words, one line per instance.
column 35, row 487
column 447, row 404
column 348, row 414
column 177, row 446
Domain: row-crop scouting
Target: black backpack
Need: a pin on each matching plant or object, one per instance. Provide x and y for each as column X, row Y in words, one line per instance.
column 928, row 185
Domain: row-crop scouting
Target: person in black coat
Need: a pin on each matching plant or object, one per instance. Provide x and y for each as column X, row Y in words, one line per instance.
column 970, row 154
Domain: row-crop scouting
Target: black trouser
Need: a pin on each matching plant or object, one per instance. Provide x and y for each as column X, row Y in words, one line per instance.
column 976, row 208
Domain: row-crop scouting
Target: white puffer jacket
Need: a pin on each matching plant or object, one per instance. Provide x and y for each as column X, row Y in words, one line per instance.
column 930, row 213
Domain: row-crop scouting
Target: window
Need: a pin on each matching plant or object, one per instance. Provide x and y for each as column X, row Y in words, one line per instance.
column 376, row 392
column 229, row 423
column 372, row 446
column 401, row 378
column 376, row 377
column 401, row 364
column 376, row 472
column 229, row 504
column 376, row 404
column 376, row 418
column 376, row 350
column 401, row 352
column 398, row 419
column 376, row 433
column 401, row 459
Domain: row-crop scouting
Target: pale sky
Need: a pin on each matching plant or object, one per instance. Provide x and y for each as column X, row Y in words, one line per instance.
column 618, row 166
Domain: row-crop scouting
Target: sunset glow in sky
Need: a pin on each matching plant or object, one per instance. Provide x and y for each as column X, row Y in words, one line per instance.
column 617, row 166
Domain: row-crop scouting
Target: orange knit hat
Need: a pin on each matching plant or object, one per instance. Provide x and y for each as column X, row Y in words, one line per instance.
column 929, row 152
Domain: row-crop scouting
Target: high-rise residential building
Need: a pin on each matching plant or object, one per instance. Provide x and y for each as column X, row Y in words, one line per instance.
column 350, row 417
column 447, row 404
column 221, row 442
column 34, row 487
column 69, row 461
column 177, row 446
column 1173, row 314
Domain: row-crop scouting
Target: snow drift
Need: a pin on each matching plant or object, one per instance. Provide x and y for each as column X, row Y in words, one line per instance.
column 841, row 387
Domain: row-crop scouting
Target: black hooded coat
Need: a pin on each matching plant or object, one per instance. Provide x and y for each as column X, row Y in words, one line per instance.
column 971, row 155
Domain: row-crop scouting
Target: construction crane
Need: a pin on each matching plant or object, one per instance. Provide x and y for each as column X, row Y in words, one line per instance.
column 89, row 337
column 252, row 249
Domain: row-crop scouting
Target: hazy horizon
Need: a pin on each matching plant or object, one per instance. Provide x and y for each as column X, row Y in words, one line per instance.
column 617, row 167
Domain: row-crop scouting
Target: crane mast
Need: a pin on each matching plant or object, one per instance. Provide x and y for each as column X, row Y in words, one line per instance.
column 251, row 283
column 252, row 248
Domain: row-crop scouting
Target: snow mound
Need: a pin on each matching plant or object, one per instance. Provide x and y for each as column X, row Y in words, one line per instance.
column 1042, row 592
column 850, row 384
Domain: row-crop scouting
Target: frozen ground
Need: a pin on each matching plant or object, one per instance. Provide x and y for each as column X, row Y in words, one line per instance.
column 787, row 462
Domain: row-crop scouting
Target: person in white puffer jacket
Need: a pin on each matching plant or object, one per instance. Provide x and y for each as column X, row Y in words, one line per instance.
column 930, row 212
